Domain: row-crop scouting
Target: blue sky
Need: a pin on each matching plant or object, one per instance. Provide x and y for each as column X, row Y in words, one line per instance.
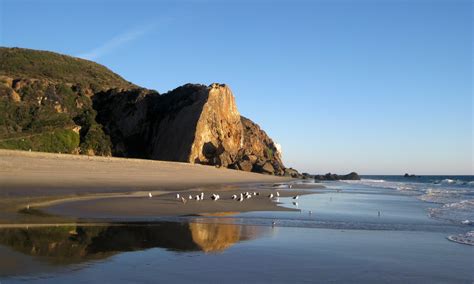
column 378, row 87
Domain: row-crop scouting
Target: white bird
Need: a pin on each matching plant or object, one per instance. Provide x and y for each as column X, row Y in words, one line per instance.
column 310, row 212
column 198, row 197
column 150, row 195
column 202, row 195
column 254, row 193
column 234, row 196
column 295, row 203
column 295, row 197
column 290, row 186
column 271, row 195
column 277, row 200
column 278, row 194
column 273, row 223
column 190, row 196
column 241, row 198
column 215, row 197
column 177, row 195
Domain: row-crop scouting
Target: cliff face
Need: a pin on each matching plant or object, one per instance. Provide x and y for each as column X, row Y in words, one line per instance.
column 193, row 123
column 65, row 104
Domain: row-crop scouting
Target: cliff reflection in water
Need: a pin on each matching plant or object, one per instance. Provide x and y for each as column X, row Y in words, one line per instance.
column 75, row 244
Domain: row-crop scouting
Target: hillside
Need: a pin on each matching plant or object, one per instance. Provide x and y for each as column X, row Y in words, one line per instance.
column 56, row 103
column 53, row 67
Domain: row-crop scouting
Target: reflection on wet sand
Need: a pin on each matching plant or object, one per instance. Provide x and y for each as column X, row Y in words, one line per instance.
column 65, row 245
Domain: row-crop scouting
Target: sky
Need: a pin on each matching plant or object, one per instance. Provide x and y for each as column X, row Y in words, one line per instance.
column 376, row 87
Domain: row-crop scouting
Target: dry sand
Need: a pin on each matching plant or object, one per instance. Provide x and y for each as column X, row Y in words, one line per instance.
column 98, row 187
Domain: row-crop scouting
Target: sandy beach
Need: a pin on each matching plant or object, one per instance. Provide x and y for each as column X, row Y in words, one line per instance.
column 103, row 187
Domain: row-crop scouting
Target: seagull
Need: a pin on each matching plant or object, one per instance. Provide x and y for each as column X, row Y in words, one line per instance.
column 295, row 203
column 150, row 195
column 202, row 195
column 278, row 194
column 190, row 196
column 273, row 223
column 310, row 212
column 295, row 197
column 270, row 196
column 248, row 196
column 215, row 197
column 198, row 197
column 290, row 186
column 177, row 195
column 234, row 196
column 254, row 193
column 277, row 200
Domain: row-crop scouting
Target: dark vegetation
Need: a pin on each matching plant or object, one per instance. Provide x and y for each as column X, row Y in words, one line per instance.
column 45, row 102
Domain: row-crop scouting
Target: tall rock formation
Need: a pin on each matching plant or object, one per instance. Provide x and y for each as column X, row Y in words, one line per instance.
column 98, row 113
column 193, row 123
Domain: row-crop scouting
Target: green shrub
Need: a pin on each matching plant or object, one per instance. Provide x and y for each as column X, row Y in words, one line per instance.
column 62, row 140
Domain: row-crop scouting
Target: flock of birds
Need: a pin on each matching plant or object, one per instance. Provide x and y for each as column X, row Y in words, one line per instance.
column 239, row 198
column 215, row 197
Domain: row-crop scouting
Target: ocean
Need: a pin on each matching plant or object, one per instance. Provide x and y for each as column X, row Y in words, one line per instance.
column 379, row 229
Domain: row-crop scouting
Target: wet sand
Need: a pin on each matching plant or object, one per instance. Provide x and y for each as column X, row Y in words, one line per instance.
column 103, row 187
column 123, row 208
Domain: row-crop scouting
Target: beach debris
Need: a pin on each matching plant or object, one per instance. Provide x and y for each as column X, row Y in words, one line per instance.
column 295, row 197
column 183, row 200
column 378, row 213
column 277, row 200
column 290, row 186
column 310, row 212
column 150, row 195
column 28, row 207
column 177, row 195
column 466, row 222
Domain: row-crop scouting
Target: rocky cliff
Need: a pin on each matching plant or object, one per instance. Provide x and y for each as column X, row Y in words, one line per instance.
column 56, row 103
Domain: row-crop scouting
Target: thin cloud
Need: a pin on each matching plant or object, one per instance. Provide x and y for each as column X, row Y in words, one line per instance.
column 116, row 42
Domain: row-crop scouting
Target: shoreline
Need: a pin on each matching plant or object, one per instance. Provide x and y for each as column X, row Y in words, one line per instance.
column 38, row 188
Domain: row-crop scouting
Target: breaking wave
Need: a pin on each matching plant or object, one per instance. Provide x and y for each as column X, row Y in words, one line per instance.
column 467, row 238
